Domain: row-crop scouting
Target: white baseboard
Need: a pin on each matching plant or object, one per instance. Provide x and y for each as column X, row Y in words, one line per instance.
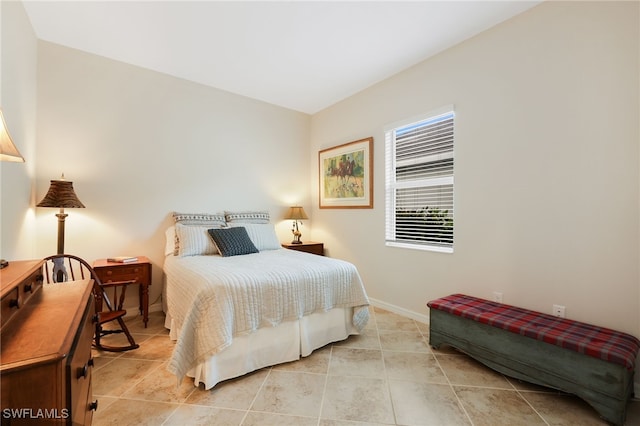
column 132, row 311
column 423, row 318
column 156, row 307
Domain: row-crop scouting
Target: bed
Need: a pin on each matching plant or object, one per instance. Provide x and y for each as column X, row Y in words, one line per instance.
column 231, row 314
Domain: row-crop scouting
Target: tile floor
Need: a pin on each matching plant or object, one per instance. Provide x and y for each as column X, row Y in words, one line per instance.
column 387, row 376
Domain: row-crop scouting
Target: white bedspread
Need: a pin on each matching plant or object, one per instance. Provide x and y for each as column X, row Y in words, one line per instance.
column 212, row 298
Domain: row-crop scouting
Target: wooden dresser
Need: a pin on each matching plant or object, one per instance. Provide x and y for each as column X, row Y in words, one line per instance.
column 45, row 357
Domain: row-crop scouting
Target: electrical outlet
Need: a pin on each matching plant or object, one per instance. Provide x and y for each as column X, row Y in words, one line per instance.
column 497, row 296
column 558, row 310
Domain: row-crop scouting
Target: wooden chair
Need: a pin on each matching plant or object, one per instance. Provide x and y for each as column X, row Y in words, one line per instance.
column 66, row 267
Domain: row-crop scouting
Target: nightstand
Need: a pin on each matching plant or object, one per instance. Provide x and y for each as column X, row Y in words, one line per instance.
column 140, row 271
column 307, row 247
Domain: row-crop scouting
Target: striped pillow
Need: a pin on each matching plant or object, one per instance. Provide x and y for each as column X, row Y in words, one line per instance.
column 214, row 219
column 247, row 217
column 194, row 241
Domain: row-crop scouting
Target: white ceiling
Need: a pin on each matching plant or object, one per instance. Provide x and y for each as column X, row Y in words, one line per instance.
column 300, row 55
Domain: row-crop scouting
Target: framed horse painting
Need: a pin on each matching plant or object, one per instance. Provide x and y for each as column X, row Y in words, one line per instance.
column 346, row 175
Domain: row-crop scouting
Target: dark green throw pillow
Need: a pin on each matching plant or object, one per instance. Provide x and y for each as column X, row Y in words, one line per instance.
column 232, row 241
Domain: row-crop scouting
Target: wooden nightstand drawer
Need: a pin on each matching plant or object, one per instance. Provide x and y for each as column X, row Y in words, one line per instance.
column 307, row 247
column 138, row 271
column 124, row 273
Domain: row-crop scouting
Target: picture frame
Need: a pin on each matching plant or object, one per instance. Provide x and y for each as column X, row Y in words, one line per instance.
column 345, row 174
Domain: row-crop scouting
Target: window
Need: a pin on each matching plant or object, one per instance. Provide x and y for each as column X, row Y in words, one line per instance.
column 419, row 182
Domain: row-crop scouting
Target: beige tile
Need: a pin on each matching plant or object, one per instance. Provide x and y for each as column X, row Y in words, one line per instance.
column 236, row 393
column 424, row 328
column 361, row 382
column 368, row 339
column 426, row 404
column 386, row 320
column 161, row 385
column 121, row 375
column 358, row 399
column 563, row 410
column 194, row 415
column 126, row 412
column 462, row 370
column 444, row 349
column 328, row 422
column 408, row 341
column 291, row 393
column 411, row 366
column 100, row 360
column 264, row 419
column 155, row 325
column 497, row 407
column 356, row 362
column 317, row 362
column 155, row 347
column 526, row 386
column 104, row 402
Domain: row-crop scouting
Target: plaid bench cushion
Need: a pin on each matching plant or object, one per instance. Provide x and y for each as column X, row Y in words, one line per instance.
column 598, row 342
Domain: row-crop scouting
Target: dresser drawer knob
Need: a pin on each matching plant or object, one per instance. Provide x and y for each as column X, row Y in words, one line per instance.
column 84, row 370
column 93, row 406
column 14, row 303
column 28, row 288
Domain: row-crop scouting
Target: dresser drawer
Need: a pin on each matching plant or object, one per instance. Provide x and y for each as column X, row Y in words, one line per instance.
column 31, row 286
column 19, row 282
column 80, row 369
column 11, row 302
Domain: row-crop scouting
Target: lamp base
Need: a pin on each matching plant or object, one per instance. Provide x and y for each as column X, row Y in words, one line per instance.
column 3, row 263
column 296, row 242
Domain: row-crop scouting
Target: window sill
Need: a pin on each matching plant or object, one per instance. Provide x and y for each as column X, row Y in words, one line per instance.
column 420, row 247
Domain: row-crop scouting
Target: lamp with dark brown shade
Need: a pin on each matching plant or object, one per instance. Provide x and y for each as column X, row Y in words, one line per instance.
column 296, row 213
column 61, row 195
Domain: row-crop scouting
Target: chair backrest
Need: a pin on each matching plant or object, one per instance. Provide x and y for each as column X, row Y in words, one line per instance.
column 60, row 268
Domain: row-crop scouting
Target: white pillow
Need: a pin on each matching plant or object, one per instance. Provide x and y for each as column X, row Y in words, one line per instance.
column 171, row 243
column 262, row 235
column 195, row 240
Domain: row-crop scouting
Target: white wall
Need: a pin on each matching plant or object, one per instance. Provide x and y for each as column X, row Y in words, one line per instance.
column 546, row 167
column 139, row 145
column 547, row 160
column 18, row 101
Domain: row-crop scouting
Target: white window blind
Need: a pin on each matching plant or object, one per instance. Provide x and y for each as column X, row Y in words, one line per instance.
column 419, row 183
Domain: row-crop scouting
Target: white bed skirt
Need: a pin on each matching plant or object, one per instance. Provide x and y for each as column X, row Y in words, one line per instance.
column 270, row 346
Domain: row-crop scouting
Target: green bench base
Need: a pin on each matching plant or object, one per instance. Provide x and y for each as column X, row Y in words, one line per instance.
column 606, row 386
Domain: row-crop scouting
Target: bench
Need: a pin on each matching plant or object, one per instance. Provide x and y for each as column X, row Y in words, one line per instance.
column 594, row 363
